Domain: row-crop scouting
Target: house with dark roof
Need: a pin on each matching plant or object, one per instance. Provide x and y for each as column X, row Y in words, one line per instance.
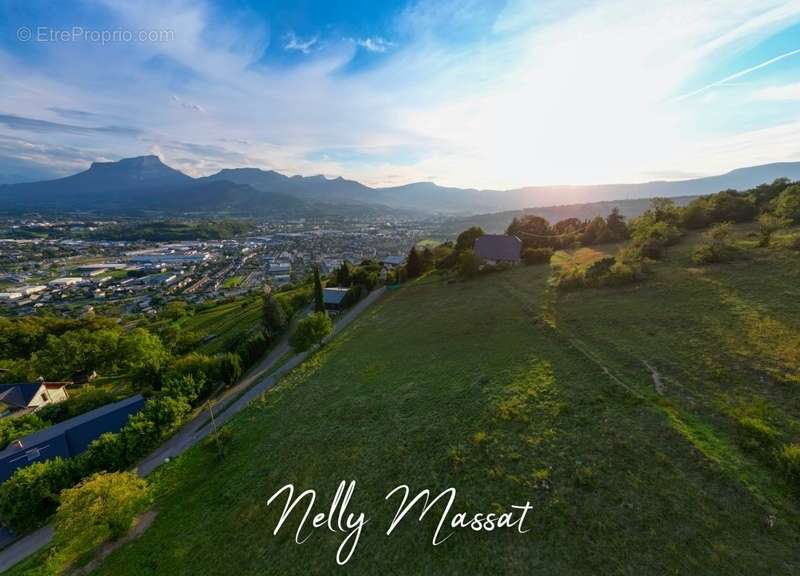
column 334, row 298
column 393, row 261
column 68, row 438
column 498, row 249
column 30, row 396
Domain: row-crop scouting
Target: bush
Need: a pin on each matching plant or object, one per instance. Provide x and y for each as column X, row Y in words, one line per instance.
column 252, row 348
column 229, row 367
column 83, row 401
column 755, row 434
column 101, row 507
column 30, row 496
column 534, row 256
column 14, row 428
column 789, row 459
column 787, row 205
column 311, row 331
column 469, row 264
column 718, row 247
column 185, row 386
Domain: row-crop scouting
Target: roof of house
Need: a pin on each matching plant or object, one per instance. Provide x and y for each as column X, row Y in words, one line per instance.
column 393, row 260
column 498, row 247
column 334, row 295
column 57, row 429
column 19, row 395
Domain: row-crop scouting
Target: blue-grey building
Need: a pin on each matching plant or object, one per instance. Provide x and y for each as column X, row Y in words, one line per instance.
column 68, row 438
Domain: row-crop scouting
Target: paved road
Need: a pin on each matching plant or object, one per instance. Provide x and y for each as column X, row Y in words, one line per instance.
column 228, row 405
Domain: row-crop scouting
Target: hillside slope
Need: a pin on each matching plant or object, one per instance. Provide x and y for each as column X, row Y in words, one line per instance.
column 511, row 393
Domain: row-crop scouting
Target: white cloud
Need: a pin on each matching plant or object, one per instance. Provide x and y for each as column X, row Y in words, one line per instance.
column 188, row 105
column 563, row 95
column 784, row 93
column 376, row 44
column 293, row 43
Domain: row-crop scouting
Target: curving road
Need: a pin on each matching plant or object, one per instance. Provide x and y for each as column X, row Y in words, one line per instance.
column 230, row 403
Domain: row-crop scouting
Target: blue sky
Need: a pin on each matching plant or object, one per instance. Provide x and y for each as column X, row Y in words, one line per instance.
column 465, row 93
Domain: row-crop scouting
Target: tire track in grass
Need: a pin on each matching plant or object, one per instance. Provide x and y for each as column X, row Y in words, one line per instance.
column 700, row 435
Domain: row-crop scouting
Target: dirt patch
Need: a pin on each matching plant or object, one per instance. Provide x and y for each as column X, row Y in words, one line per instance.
column 141, row 524
column 658, row 381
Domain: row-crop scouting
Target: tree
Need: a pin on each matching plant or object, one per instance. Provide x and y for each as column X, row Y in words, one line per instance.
column 534, row 231
column 229, row 367
column 616, row 225
column 466, row 240
column 533, row 256
column 769, row 224
column 414, row 264
column 343, row 274
column 273, row 318
column 102, row 506
column 311, row 331
column 319, row 302
column 787, row 205
column 427, row 260
column 145, row 356
column 30, row 496
column 469, row 264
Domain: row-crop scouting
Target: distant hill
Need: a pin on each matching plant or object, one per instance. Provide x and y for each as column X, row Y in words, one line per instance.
column 141, row 184
column 146, row 184
column 497, row 222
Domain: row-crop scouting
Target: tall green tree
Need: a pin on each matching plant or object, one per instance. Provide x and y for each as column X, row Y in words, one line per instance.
column 343, row 274
column 413, row 264
column 273, row 318
column 311, row 331
column 319, row 302
column 466, row 240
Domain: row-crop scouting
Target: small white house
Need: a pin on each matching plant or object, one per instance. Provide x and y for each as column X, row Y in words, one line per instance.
column 31, row 396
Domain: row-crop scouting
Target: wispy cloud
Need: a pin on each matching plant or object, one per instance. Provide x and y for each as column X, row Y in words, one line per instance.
column 784, row 93
column 738, row 74
column 374, row 44
column 293, row 43
column 36, row 125
column 464, row 92
column 188, row 105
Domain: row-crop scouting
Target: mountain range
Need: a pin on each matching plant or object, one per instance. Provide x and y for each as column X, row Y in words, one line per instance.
column 145, row 184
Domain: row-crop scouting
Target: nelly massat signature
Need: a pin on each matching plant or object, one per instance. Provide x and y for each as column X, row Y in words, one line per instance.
column 338, row 519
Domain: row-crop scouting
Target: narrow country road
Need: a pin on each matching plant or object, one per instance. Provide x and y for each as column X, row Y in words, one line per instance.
column 230, row 403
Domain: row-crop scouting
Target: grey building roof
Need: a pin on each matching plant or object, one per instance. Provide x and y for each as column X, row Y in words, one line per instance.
column 57, row 429
column 498, row 247
column 393, row 260
column 333, row 295
column 19, row 395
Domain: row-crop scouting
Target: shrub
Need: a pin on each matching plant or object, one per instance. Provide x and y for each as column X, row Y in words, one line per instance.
column 787, row 205
column 185, row 386
column 534, row 256
column 14, row 428
column 468, row 264
column 87, row 399
column 311, row 331
column 252, row 348
column 789, row 458
column 30, row 496
column 229, row 367
column 104, row 502
column 718, row 247
column 101, row 507
column 790, row 241
column 755, row 434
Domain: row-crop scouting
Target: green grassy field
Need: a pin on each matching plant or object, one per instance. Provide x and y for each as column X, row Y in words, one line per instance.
column 616, row 412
